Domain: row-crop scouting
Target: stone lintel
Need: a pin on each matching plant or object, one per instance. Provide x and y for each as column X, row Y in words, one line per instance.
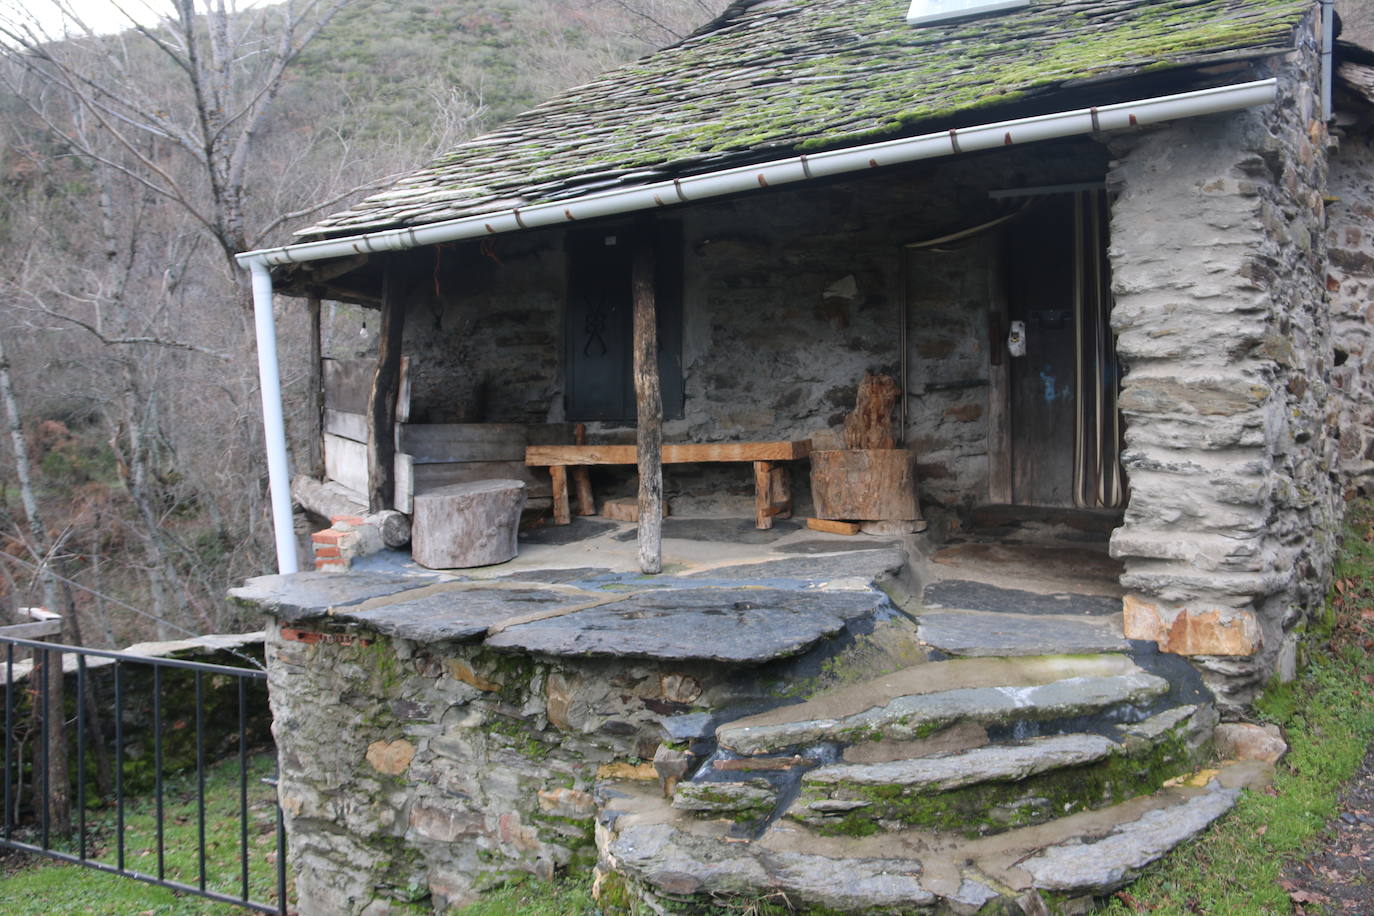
column 1192, row 630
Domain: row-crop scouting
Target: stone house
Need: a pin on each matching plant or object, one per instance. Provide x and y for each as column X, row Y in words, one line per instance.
column 1117, row 255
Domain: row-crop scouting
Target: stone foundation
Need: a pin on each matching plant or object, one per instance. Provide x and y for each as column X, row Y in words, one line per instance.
column 1350, row 283
column 1218, row 258
column 426, row 772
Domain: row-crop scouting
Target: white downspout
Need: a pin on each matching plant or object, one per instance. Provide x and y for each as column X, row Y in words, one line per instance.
column 273, row 426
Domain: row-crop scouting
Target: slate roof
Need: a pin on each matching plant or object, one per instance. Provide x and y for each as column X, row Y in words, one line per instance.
column 774, row 77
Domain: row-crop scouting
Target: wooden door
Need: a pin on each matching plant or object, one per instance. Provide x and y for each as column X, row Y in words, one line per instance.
column 1063, row 427
column 1040, row 262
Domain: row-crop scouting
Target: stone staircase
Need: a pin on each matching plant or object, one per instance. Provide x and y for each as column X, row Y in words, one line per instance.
column 1017, row 784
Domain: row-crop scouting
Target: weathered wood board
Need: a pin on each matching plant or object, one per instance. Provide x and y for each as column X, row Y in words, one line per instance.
column 345, row 461
column 436, row 443
column 347, row 383
column 688, row 453
column 346, row 425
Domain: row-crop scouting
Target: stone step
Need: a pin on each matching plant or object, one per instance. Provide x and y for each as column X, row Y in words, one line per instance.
column 974, row 634
column 659, row 854
column 925, row 699
column 1001, row 786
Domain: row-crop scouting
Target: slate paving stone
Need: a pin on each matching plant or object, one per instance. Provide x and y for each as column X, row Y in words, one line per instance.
column 719, row 530
column 820, row 546
column 865, row 564
column 1104, row 864
column 581, row 529
column 980, row 596
column 712, row 624
column 309, row 595
column 974, row 634
column 460, row 614
column 557, row 576
column 999, row 763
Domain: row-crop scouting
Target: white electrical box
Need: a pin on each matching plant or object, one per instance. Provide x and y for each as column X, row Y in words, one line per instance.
column 923, row 12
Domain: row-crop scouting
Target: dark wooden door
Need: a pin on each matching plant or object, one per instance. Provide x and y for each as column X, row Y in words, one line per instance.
column 600, row 327
column 1041, row 264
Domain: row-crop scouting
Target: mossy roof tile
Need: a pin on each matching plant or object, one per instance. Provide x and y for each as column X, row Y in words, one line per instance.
column 803, row 75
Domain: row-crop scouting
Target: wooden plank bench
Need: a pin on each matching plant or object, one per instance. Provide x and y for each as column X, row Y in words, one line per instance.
column 772, row 489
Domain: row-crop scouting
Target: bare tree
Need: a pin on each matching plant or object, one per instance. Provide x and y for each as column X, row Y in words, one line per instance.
column 230, row 67
column 41, row 548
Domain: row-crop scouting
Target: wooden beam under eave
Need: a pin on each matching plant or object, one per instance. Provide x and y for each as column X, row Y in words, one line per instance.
column 648, row 407
column 381, row 399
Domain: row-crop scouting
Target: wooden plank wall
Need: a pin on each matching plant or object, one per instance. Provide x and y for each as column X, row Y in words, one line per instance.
column 428, row 455
column 434, row 455
column 346, row 385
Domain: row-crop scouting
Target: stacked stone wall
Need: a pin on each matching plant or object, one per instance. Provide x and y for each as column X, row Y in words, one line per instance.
column 423, row 775
column 1350, row 280
column 1218, row 258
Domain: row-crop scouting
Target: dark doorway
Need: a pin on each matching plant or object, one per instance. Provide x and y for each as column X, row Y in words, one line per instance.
column 600, row 328
column 1065, row 431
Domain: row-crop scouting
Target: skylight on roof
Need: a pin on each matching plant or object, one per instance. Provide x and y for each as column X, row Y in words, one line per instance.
column 924, row 12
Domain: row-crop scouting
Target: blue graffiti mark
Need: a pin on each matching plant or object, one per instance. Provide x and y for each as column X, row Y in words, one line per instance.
column 1052, row 390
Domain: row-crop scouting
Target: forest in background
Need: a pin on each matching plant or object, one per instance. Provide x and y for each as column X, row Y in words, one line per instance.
column 133, row 165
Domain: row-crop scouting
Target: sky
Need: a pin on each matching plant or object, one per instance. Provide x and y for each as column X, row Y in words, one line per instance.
column 100, row 15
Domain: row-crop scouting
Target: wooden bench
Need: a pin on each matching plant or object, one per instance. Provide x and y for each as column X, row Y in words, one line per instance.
column 772, row 489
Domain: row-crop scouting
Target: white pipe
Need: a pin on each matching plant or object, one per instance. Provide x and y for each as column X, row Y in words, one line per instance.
column 786, row 171
column 273, row 426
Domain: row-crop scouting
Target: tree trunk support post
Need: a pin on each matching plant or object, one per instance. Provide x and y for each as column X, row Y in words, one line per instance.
column 314, row 393
column 648, row 407
column 381, row 400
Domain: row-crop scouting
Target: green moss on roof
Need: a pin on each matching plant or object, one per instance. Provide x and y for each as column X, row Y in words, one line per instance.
column 784, row 75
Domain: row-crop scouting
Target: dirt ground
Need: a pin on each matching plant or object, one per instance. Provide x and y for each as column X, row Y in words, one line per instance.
column 1339, row 876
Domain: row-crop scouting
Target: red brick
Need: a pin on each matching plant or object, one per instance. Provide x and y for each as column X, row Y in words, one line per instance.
column 328, row 536
column 348, row 519
column 331, row 563
column 322, row 551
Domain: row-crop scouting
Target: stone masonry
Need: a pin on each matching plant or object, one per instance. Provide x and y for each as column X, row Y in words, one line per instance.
column 1218, row 259
column 1350, row 283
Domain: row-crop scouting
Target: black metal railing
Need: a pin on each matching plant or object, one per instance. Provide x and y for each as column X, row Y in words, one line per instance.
column 154, row 735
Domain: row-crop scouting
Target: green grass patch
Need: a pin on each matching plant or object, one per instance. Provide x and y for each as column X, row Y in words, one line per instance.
column 1328, row 718
column 37, row 886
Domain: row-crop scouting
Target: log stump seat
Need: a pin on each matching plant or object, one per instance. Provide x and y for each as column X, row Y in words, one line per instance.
column 467, row 524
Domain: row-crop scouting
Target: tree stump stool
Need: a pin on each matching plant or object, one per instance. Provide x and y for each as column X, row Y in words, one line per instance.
column 467, row 524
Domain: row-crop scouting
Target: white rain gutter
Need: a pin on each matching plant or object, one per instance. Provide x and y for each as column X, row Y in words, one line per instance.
column 738, row 180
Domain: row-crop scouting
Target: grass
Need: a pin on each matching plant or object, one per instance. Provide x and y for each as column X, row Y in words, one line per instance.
column 1328, row 717
column 36, row 886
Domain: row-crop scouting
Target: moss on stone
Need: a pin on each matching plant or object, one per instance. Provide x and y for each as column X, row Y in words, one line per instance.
column 992, row 807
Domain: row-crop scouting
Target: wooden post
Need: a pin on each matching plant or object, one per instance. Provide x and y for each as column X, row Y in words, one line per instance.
column 314, row 395
column 648, row 407
column 582, row 476
column 381, row 400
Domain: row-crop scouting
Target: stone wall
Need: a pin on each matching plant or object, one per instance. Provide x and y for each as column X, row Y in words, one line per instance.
column 444, row 770
column 1218, row 260
column 1350, row 281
